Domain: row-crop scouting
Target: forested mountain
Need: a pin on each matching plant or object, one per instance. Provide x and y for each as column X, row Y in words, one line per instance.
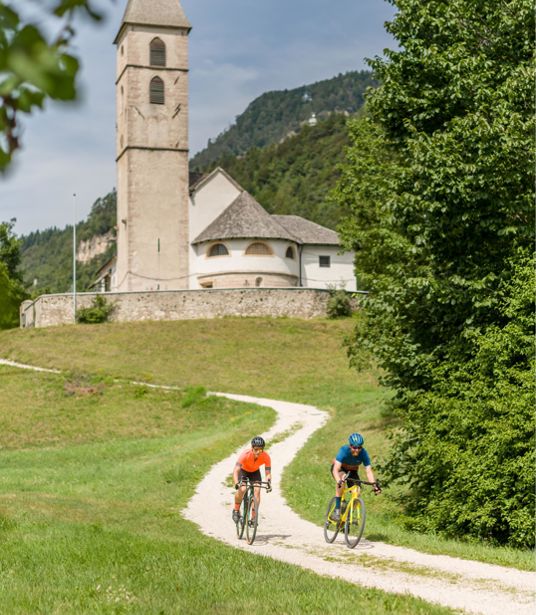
column 46, row 256
column 297, row 175
column 275, row 115
column 289, row 166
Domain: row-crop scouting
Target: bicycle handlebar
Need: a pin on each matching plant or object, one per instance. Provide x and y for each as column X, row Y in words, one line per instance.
column 255, row 483
column 359, row 481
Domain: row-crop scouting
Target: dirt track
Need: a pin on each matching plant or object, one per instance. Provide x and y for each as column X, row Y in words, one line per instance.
column 460, row 584
column 469, row 586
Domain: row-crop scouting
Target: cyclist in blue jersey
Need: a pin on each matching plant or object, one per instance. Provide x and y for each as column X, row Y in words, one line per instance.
column 347, row 461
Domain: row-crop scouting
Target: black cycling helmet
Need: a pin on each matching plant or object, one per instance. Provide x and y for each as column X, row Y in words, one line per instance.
column 258, row 442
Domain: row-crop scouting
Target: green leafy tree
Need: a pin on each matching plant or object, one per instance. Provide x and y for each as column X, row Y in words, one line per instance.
column 11, row 289
column 439, row 186
column 33, row 67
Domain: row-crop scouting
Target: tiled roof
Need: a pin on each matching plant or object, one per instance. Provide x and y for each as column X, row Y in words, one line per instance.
column 245, row 218
column 307, row 231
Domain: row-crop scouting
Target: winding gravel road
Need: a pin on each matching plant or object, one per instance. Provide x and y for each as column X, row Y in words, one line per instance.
column 468, row 586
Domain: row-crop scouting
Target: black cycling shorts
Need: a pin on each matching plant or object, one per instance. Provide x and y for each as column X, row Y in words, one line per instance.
column 253, row 476
column 352, row 475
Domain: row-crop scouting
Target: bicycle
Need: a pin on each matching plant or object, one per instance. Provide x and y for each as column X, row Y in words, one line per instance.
column 249, row 509
column 353, row 514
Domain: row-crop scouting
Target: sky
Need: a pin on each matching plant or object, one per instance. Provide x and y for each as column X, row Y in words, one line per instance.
column 239, row 49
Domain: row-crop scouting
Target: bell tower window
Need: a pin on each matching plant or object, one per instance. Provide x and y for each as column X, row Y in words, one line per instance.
column 157, row 53
column 156, row 91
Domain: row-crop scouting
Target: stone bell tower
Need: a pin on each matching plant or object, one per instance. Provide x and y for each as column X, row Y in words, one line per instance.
column 152, row 147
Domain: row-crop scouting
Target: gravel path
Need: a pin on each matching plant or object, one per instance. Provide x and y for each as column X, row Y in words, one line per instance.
column 465, row 585
column 469, row 586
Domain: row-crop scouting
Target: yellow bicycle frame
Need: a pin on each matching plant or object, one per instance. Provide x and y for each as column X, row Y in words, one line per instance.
column 348, row 504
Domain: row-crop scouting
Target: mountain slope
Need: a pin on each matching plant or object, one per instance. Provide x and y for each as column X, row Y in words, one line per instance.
column 46, row 256
column 297, row 175
column 274, row 115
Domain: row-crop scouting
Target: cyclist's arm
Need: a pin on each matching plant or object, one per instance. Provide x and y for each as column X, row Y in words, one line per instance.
column 268, row 472
column 337, row 469
column 370, row 474
column 371, row 479
column 236, row 471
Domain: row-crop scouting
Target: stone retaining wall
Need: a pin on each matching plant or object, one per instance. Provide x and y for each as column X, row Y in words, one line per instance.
column 51, row 310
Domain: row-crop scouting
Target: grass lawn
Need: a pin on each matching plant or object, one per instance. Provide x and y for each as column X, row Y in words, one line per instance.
column 94, row 474
column 295, row 360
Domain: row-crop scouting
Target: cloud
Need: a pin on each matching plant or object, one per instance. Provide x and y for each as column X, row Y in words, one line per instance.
column 239, row 49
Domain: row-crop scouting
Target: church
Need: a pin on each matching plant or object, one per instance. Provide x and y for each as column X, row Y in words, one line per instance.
column 212, row 234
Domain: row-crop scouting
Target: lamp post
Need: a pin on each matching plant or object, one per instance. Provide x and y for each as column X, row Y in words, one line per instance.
column 74, row 257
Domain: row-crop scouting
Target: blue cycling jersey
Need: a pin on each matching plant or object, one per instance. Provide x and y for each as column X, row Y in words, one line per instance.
column 347, row 459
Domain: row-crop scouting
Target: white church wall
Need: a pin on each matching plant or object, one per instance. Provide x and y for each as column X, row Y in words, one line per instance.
column 339, row 274
column 245, row 268
column 209, row 201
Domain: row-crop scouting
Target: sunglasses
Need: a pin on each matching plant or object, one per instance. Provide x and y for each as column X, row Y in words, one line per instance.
column 356, row 448
column 257, row 450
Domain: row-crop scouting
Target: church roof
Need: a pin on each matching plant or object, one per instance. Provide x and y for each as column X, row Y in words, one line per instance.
column 245, row 218
column 307, row 231
column 166, row 13
column 199, row 181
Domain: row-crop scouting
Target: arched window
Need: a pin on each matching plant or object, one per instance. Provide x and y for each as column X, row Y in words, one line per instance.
column 218, row 249
column 290, row 252
column 157, row 53
column 156, row 91
column 258, row 249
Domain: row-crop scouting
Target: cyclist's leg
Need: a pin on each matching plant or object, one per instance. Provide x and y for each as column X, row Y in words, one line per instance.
column 338, row 491
column 256, row 477
column 353, row 476
column 239, row 493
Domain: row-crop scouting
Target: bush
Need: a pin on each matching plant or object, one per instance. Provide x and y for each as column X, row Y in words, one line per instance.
column 99, row 311
column 339, row 304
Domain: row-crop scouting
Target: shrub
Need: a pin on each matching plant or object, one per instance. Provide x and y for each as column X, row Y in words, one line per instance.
column 99, row 311
column 339, row 304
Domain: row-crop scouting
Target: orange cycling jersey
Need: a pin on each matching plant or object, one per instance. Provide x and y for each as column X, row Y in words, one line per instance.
column 250, row 464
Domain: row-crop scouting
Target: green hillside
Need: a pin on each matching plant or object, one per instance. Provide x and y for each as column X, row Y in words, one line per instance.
column 95, row 470
column 46, row 256
column 274, row 115
column 249, row 356
column 297, row 175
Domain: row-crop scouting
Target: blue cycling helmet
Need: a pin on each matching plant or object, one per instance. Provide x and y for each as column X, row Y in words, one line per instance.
column 356, row 439
column 258, row 442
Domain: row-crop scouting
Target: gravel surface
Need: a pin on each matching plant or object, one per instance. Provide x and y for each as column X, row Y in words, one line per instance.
column 465, row 585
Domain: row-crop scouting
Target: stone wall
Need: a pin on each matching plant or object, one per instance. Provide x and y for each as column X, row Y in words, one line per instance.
column 51, row 310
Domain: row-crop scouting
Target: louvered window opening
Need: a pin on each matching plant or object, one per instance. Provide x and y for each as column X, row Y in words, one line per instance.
column 218, row 249
column 158, row 53
column 258, row 249
column 157, row 91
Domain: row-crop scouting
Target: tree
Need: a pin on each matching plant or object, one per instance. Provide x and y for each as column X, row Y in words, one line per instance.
column 34, row 68
column 439, row 185
column 11, row 289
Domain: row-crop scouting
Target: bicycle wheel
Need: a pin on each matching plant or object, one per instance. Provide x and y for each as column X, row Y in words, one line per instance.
column 355, row 523
column 241, row 523
column 331, row 528
column 252, row 519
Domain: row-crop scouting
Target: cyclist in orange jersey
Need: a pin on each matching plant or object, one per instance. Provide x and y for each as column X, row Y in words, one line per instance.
column 248, row 466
